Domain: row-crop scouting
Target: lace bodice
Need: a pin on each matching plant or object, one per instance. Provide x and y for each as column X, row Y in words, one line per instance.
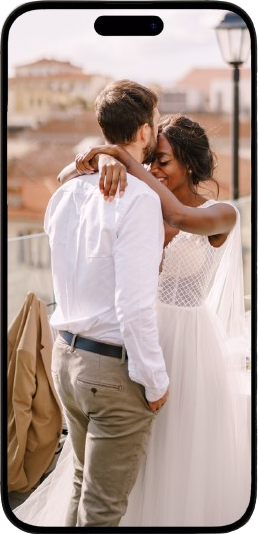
column 188, row 268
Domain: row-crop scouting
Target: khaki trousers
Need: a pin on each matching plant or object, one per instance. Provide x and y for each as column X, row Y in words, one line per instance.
column 109, row 422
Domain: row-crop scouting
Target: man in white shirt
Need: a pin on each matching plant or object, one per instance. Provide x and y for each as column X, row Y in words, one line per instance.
column 107, row 365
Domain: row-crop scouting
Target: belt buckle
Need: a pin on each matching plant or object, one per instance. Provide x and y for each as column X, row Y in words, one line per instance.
column 123, row 354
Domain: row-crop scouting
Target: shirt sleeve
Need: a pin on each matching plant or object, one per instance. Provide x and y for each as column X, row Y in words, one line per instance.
column 137, row 256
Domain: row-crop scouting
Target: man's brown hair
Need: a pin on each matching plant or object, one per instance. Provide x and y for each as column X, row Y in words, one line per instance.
column 122, row 107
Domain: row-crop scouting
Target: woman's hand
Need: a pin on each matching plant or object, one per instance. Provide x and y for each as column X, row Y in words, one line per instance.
column 89, row 159
column 70, row 171
column 112, row 172
column 85, row 165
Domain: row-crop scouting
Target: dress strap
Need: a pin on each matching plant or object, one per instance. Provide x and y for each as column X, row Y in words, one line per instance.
column 208, row 203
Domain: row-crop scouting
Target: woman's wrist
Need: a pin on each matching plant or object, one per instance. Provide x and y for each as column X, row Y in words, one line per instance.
column 94, row 162
column 123, row 156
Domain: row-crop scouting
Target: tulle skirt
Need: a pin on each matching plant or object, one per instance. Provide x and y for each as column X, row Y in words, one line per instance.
column 197, row 470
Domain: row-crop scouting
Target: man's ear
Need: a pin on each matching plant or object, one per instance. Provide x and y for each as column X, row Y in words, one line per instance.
column 143, row 133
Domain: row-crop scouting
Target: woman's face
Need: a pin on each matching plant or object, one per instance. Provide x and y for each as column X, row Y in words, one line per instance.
column 166, row 168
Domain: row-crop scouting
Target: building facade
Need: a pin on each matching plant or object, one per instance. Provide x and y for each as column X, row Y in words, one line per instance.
column 49, row 87
column 207, row 91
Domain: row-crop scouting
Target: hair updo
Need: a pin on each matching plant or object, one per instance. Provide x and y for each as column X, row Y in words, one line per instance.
column 191, row 148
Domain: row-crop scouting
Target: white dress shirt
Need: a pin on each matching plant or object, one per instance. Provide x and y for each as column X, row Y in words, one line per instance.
column 105, row 265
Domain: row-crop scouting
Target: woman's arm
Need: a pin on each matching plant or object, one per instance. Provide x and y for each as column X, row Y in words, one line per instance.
column 71, row 170
column 110, row 170
column 215, row 220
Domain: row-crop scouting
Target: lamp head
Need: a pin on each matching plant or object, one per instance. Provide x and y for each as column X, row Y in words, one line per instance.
column 233, row 38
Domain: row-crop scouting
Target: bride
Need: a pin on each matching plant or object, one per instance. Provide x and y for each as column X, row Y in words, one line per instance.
column 197, row 470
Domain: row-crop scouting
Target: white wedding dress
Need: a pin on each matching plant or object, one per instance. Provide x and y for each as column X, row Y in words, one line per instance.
column 197, row 471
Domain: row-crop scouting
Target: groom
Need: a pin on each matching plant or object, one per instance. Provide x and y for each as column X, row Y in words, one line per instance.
column 107, row 364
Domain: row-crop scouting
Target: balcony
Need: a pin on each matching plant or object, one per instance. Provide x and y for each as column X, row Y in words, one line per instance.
column 29, row 265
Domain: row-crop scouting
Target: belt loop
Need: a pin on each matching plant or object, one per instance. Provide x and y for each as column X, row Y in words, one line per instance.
column 73, row 343
column 123, row 355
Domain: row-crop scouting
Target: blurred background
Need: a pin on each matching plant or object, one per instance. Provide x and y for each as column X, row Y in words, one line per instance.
column 58, row 65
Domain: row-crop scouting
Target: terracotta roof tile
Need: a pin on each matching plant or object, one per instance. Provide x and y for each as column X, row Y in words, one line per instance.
column 201, row 78
column 34, row 199
column 32, row 79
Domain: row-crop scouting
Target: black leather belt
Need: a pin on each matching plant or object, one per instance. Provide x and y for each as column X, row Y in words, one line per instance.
column 78, row 342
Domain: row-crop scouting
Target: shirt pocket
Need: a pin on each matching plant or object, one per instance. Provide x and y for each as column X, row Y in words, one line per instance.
column 99, row 228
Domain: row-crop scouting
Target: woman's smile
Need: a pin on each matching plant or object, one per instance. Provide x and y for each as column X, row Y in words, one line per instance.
column 160, row 178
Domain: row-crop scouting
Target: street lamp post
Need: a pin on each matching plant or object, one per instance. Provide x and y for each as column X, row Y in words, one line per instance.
column 234, row 42
column 235, row 161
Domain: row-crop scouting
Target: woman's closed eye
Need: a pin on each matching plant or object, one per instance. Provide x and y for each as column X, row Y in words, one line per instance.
column 163, row 163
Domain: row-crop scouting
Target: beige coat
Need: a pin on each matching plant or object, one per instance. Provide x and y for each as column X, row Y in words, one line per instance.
column 34, row 411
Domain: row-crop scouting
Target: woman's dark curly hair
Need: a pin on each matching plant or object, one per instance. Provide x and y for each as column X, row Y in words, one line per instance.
column 191, row 148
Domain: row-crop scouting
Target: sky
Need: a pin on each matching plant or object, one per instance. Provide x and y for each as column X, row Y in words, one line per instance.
column 187, row 41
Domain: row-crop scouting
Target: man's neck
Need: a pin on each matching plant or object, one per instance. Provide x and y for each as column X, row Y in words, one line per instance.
column 135, row 150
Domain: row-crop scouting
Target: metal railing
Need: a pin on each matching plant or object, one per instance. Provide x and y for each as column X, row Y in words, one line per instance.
column 29, row 269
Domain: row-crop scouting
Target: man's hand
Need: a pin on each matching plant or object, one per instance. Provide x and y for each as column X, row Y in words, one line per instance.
column 156, row 405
